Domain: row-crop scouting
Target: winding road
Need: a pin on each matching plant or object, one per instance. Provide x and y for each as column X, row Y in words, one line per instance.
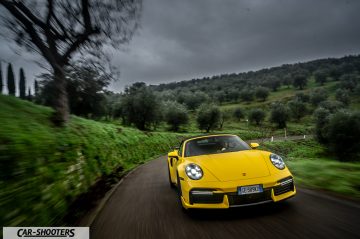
column 144, row 206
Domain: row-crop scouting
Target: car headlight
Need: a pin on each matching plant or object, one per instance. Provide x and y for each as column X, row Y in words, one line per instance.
column 193, row 171
column 277, row 161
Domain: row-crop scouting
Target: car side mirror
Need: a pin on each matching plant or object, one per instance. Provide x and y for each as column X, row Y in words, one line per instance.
column 173, row 155
column 254, row 145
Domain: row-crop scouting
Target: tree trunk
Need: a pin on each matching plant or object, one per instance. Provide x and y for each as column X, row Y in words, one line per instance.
column 61, row 105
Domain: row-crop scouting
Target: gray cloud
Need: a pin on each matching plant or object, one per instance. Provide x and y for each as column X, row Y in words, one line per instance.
column 180, row 40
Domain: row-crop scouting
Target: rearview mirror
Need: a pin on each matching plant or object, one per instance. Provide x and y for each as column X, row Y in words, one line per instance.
column 254, row 145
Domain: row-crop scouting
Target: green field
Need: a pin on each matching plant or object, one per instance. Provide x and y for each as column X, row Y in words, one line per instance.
column 314, row 168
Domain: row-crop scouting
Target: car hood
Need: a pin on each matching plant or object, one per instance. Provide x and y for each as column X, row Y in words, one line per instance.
column 232, row 166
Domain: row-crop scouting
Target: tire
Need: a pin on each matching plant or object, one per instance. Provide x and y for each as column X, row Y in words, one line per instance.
column 172, row 185
column 180, row 193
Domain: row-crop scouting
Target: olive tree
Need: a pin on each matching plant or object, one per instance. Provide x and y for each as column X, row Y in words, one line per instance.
column 58, row 29
column 208, row 117
column 175, row 115
column 256, row 116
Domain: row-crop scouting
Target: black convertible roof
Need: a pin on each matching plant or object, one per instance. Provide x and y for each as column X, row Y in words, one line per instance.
column 204, row 135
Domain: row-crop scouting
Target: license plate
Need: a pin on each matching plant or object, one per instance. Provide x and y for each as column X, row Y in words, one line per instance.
column 250, row 189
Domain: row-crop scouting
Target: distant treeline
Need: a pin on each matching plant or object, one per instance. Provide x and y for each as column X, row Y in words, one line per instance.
column 237, row 87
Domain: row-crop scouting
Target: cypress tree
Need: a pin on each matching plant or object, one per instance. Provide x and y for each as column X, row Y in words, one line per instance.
column 36, row 87
column 1, row 80
column 22, row 84
column 29, row 96
column 11, row 80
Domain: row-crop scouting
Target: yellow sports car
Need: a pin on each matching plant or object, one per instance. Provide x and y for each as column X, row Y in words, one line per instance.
column 222, row 171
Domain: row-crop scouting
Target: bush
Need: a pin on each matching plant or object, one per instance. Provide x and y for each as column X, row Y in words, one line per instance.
column 262, row 93
column 175, row 115
column 238, row 113
column 208, row 117
column 279, row 115
column 257, row 116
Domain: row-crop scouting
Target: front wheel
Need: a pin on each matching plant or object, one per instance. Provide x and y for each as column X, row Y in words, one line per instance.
column 180, row 193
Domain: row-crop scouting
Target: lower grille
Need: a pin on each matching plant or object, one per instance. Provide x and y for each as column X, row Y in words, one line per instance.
column 206, row 198
column 235, row 199
column 281, row 189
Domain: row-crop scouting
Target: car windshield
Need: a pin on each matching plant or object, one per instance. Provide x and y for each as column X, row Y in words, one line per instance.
column 215, row 145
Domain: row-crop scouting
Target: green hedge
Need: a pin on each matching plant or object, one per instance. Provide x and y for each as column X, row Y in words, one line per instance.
column 44, row 168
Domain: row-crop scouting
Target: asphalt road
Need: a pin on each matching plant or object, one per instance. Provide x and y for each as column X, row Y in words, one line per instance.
column 144, row 206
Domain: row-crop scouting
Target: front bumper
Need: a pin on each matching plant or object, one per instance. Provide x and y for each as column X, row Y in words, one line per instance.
column 226, row 196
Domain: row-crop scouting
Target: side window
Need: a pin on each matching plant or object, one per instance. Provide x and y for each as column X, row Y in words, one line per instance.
column 181, row 149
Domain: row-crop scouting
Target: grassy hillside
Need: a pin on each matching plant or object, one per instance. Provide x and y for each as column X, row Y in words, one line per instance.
column 315, row 168
column 44, row 168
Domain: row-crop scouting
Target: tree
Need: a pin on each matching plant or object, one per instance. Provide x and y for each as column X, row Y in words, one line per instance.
column 279, row 115
column 208, row 117
column 176, row 115
column 238, row 113
column 1, row 80
column 300, row 81
column 332, row 106
column 85, row 86
column 36, row 87
column 297, row 109
column 225, row 116
column 302, row 97
column 343, row 96
column 321, row 116
column 343, row 135
column 192, row 100
column 59, row 29
column 140, row 106
column 261, row 93
column 287, row 80
column 273, row 83
column 22, row 84
column 320, row 76
column 29, row 97
column 349, row 81
column 11, row 80
column 317, row 96
column 247, row 95
column 256, row 116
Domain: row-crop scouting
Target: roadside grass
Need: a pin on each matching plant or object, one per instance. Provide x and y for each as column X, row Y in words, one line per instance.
column 314, row 168
column 43, row 169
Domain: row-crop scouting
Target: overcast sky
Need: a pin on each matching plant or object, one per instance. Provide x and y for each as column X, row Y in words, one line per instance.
column 181, row 40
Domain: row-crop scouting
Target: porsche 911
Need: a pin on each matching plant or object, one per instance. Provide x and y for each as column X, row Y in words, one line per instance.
column 222, row 171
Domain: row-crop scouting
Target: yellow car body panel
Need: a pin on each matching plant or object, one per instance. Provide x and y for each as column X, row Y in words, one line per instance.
column 224, row 173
